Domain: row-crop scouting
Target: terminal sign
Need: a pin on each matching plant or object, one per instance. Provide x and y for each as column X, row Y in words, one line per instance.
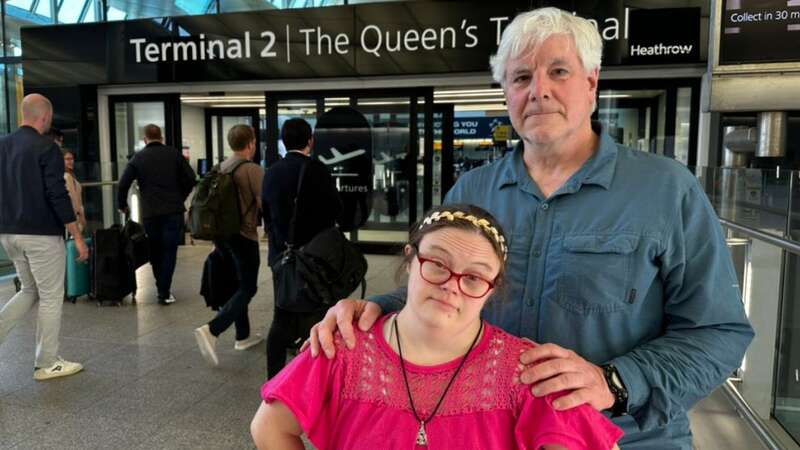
column 371, row 39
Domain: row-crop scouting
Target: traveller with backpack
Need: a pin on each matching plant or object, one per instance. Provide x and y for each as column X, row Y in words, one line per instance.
column 226, row 209
column 165, row 180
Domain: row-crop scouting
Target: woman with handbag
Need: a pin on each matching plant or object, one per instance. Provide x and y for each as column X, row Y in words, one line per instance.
column 434, row 375
column 74, row 187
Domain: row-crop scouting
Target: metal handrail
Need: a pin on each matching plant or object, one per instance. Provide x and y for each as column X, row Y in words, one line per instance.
column 758, row 427
column 762, row 208
column 785, row 244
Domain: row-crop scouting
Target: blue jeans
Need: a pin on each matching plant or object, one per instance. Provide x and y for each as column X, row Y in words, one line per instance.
column 245, row 255
column 164, row 234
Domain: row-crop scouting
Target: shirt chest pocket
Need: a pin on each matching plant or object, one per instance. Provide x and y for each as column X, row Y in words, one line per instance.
column 595, row 273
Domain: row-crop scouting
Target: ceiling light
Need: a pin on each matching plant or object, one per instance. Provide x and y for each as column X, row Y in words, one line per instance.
column 500, row 101
column 616, row 95
column 468, row 91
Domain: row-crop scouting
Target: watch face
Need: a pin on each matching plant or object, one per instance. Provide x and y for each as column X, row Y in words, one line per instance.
column 616, row 380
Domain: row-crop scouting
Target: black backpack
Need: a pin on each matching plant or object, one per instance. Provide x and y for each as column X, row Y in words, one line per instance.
column 214, row 214
column 136, row 245
column 321, row 272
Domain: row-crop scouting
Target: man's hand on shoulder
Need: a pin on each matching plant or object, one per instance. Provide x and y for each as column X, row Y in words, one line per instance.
column 551, row 368
column 340, row 317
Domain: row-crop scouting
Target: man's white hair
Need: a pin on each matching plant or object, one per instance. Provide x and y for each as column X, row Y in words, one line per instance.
column 529, row 30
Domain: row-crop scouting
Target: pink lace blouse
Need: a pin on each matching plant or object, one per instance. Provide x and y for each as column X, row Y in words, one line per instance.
column 358, row 400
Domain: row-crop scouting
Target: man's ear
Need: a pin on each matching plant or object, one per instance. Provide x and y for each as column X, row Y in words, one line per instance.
column 594, row 79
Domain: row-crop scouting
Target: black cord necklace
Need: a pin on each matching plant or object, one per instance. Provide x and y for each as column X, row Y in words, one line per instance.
column 422, row 437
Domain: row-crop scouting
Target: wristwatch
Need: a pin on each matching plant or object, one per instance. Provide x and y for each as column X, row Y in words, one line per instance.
column 618, row 390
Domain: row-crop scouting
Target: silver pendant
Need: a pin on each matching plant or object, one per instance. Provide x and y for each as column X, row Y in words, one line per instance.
column 422, row 437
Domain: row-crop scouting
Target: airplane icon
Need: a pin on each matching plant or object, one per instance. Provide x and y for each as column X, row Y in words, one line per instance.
column 339, row 156
column 384, row 158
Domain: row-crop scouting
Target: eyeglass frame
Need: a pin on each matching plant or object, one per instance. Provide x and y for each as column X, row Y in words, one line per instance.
column 457, row 276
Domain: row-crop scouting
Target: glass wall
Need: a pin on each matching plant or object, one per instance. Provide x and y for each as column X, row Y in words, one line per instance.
column 656, row 116
column 6, row 266
column 5, row 103
column 393, row 167
column 766, row 201
column 250, row 5
column 394, row 129
column 683, row 123
column 632, row 117
column 125, row 10
column 220, row 126
column 787, row 393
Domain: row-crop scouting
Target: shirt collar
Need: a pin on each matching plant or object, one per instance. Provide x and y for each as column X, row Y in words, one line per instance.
column 598, row 170
column 297, row 152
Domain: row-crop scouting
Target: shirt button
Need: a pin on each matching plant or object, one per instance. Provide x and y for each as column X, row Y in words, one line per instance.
column 545, row 206
column 537, row 253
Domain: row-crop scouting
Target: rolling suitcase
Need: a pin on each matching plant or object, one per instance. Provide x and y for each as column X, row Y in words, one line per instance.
column 78, row 273
column 112, row 277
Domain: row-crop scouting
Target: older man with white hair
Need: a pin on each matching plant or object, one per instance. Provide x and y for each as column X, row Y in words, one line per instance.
column 617, row 263
column 34, row 208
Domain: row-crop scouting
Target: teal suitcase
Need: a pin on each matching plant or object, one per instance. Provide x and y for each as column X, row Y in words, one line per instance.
column 78, row 280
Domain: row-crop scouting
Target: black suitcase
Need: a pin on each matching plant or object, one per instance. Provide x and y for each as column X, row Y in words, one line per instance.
column 112, row 277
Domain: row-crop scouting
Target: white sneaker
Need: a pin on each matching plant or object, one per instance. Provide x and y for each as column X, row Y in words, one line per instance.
column 167, row 301
column 249, row 342
column 60, row 368
column 207, row 343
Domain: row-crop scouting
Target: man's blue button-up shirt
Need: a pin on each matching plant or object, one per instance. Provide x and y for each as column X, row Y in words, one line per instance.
column 626, row 264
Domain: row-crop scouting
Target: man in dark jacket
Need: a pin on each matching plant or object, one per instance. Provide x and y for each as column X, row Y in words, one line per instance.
column 318, row 206
column 165, row 179
column 34, row 208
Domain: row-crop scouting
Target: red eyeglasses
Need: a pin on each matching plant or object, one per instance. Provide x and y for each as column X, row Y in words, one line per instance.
column 437, row 273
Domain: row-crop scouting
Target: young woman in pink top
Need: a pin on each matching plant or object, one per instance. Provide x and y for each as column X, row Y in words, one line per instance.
column 433, row 376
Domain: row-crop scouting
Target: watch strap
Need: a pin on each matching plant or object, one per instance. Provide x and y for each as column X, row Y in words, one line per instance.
column 618, row 390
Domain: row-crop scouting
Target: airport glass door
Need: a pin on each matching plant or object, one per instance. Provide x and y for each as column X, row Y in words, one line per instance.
column 129, row 116
column 654, row 116
column 399, row 122
column 6, row 266
column 218, row 122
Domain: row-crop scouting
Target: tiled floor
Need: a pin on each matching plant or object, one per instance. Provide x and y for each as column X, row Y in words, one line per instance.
column 146, row 386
